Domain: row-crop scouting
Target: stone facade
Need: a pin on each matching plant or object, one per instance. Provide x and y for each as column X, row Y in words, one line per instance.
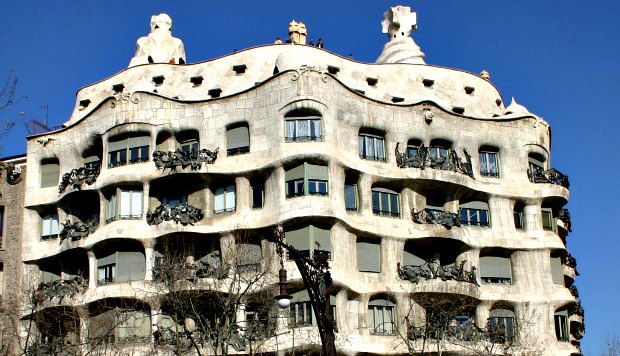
column 366, row 161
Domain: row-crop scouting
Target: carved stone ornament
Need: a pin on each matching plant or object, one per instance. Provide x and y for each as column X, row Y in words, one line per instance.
column 125, row 96
column 307, row 69
column 78, row 176
column 433, row 270
column 423, row 159
column 193, row 158
column 13, row 174
column 159, row 46
column 434, row 216
column 182, row 213
column 78, row 230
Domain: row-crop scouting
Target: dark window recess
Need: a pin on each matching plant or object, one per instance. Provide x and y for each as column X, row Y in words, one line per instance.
column 333, row 70
column 459, row 110
column 258, row 194
column 498, row 102
column 215, row 92
column 397, row 99
column 372, row 81
column 197, row 80
column 240, row 68
column 428, row 83
column 518, row 216
column 118, row 88
column 84, row 103
column 469, row 90
column 159, row 79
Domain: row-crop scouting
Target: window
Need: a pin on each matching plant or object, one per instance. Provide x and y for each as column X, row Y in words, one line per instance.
column 561, row 325
column 385, row 202
column 225, row 199
column 1, row 224
column 50, row 170
column 501, row 325
column 92, row 162
column 258, row 193
column 557, row 274
column 372, row 147
column 518, row 216
column 237, row 140
column 189, row 145
column 381, row 317
column 489, row 166
column 310, row 239
column 438, row 153
column 106, row 274
column 124, row 150
column 350, row 196
column 127, row 207
column 49, row 226
column 413, row 147
column 475, row 213
column 301, row 312
column 173, row 200
column 307, row 179
column 495, row 270
column 547, row 219
column 368, row 255
column 302, row 128
column 536, row 165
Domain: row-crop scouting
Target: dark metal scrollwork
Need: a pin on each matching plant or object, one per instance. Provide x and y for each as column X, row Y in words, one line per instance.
column 13, row 174
column 423, row 159
column 434, row 216
column 59, row 289
column 432, row 270
column 78, row 176
column 552, row 176
column 192, row 158
column 564, row 216
column 77, row 231
column 182, row 213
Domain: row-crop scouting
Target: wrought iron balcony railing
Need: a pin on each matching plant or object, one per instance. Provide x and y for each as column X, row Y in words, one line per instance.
column 74, row 179
column 192, row 158
column 78, row 230
column 436, row 216
column 238, row 151
column 552, row 176
column 564, row 216
column 423, row 158
column 433, row 270
column 60, row 289
column 182, row 213
column 390, row 214
column 303, row 138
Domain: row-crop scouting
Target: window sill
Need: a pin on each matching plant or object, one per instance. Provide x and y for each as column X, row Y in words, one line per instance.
column 49, row 237
column 224, row 211
column 372, row 158
column 386, row 214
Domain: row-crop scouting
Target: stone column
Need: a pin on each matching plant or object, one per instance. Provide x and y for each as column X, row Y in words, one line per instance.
column 92, row 269
column 530, row 217
column 149, row 247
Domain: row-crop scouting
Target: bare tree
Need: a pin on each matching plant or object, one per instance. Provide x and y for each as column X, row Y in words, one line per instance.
column 217, row 302
column 611, row 347
column 440, row 323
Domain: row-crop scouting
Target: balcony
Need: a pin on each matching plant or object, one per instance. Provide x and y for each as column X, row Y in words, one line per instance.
column 78, row 230
column 436, row 216
column 552, row 176
column 78, row 176
column 423, row 159
column 59, row 289
column 433, row 270
column 564, row 217
column 182, row 213
column 192, row 158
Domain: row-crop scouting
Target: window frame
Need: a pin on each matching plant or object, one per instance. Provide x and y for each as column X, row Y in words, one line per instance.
column 232, row 147
column 560, row 322
column 378, row 202
column 109, row 274
column 488, row 169
column 50, row 226
column 547, row 219
column 493, row 278
column 129, row 150
column 377, row 312
column 114, row 205
column 257, row 192
column 311, row 183
column 353, row 207
column 368, row 147
column 50, row 173
column 221, row 196
column 313, row 128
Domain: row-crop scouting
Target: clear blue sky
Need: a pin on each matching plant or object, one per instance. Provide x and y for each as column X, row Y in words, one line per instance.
column 560, row 59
